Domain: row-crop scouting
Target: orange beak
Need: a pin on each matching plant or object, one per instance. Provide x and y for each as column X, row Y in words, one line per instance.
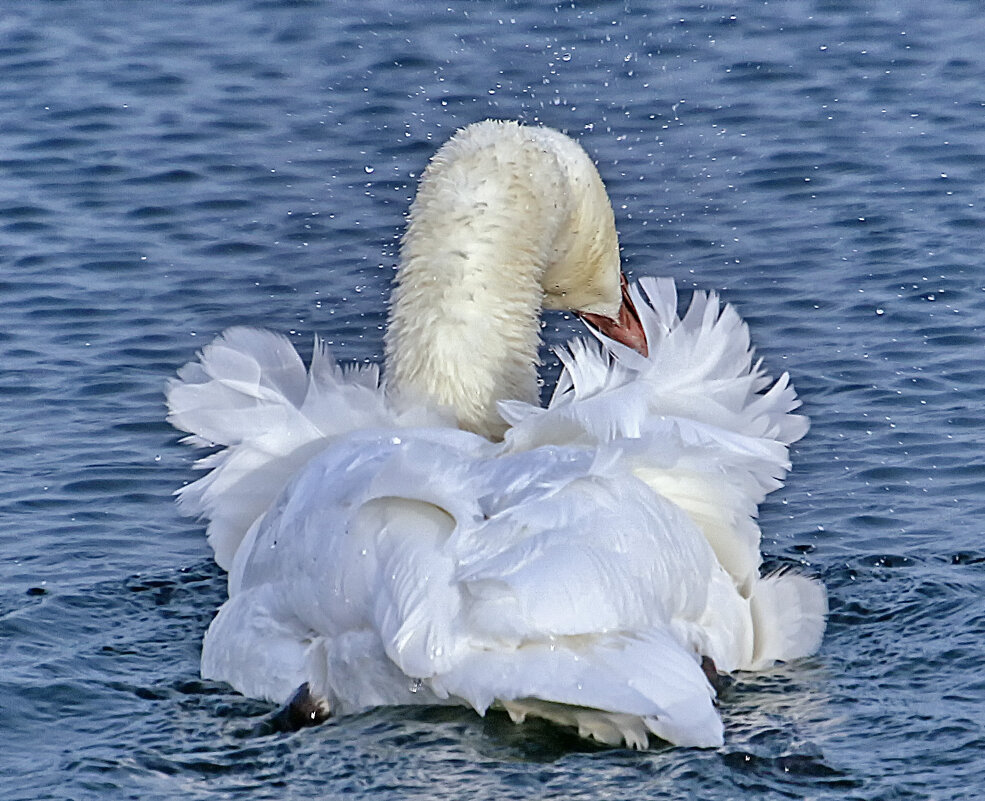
column 625, row 327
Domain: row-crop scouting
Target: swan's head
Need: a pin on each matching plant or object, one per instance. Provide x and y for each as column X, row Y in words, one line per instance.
column 583, row 273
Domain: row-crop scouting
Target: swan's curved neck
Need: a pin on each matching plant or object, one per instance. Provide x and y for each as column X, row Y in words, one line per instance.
column 492, row 215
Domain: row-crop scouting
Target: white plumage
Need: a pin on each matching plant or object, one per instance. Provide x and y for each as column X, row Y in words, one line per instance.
column 576, row 569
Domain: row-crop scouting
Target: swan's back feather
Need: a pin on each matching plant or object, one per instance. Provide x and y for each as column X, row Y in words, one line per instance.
column 487, row 597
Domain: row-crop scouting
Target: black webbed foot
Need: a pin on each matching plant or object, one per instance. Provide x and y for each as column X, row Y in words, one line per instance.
column 719, row 681
column 302, row 709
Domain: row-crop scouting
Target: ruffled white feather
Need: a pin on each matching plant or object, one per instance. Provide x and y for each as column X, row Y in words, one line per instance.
column 576, row 571
column 249, row 391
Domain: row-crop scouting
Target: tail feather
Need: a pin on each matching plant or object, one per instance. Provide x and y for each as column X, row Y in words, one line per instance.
column 610, row 728
column 788, row 612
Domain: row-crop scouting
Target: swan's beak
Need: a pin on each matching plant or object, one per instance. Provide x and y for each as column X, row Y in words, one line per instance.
column 625, row 327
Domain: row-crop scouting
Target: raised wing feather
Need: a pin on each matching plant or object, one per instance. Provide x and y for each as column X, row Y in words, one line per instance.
column 250, row 392
column 698, row 419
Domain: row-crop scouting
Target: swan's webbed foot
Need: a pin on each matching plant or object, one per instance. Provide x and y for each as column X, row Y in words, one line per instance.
column 302, row 709
column 719, row 681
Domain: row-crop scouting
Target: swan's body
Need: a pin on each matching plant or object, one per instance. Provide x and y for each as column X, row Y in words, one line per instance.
column 385, row 546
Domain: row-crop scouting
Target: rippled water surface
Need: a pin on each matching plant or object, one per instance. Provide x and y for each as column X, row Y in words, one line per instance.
column 169, row 169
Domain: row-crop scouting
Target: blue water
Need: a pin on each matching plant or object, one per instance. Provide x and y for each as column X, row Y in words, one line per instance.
column 169, row 169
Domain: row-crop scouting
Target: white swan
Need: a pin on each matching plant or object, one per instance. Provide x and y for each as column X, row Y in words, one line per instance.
column 440, row 538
